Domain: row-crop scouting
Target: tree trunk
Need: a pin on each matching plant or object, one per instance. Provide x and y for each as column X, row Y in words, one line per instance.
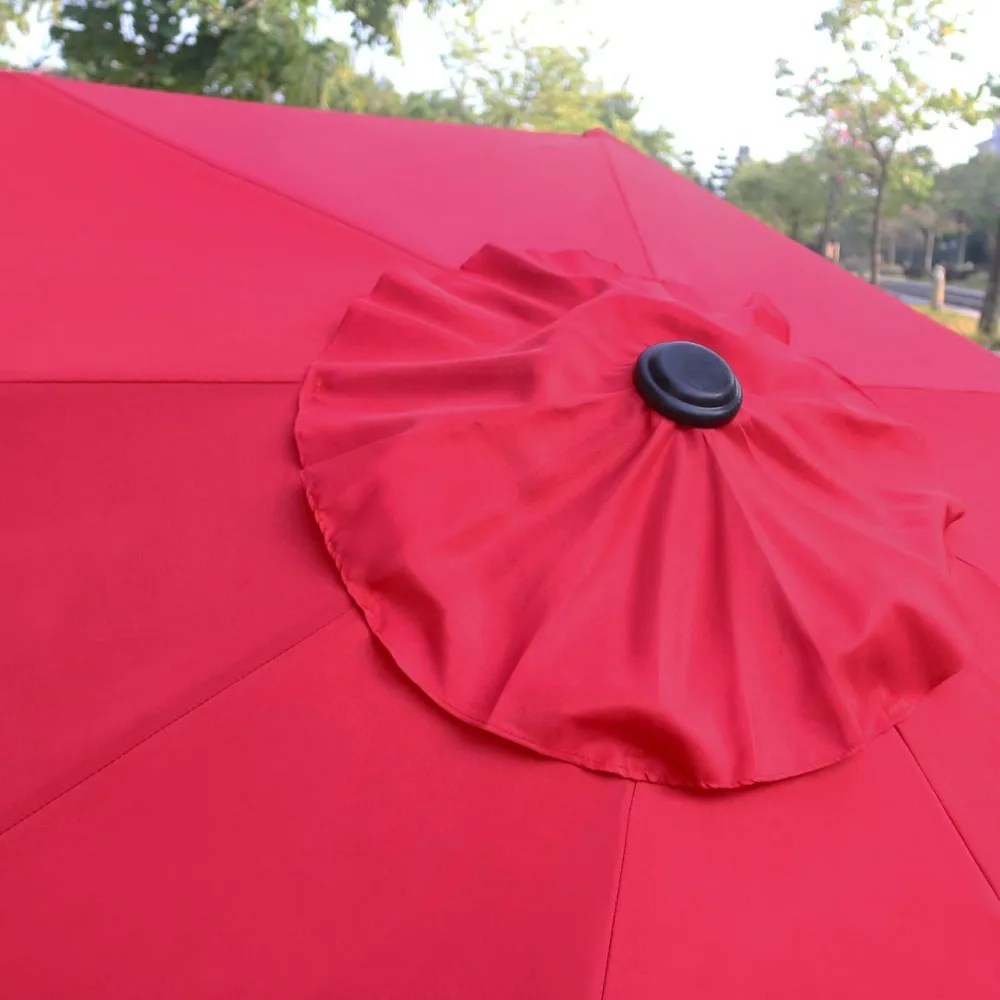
column 876, row 242
column 890, row 255
column 928, row 250
column 831, row 207
column 963, row 243
column 991, row 304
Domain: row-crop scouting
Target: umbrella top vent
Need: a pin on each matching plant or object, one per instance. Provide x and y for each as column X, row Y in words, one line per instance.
column 690, row 384
column 748, row 591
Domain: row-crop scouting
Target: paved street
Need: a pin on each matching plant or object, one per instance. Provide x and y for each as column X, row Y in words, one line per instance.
column 919, row 291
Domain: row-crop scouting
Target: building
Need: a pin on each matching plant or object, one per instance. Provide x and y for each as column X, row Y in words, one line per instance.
column 992, row 145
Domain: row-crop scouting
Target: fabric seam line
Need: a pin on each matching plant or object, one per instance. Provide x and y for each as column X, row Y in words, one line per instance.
column 618, row 891
column 603, row 139
column 150, row 381
column 228, row 171
column 929, row 388
column 948, row 815
column 183, row 715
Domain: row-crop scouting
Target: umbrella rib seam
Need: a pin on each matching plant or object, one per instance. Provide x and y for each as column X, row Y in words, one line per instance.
column 150, row 381
column 618, row 890
column 229, row 171
column 603, row 140
column 177, row 718
column 947, row 813
column 931, row 389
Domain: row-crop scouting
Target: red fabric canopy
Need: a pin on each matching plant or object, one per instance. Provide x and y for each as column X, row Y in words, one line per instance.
column 551, row 560
column 215, row 780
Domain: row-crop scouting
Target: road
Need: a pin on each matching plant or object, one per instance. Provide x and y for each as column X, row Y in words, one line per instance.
column 919, row 291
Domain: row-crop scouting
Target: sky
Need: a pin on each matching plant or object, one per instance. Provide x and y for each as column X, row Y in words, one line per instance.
column 704, row 69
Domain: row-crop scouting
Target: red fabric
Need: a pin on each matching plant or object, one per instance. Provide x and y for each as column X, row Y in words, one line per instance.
column 143, row 262
column 552, row 561
column 196, row 795
column 849, row 883
column 156, row 549
column 206, row 793
column 955, row 736
column 410, row 183
column 315, row 831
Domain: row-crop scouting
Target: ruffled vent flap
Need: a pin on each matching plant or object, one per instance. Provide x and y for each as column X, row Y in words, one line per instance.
column 551, row 560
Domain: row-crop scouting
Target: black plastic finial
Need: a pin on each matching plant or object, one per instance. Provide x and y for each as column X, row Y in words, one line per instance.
column 688, row 383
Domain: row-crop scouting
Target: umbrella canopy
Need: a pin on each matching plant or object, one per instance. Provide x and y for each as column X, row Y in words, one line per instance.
column 586, row 703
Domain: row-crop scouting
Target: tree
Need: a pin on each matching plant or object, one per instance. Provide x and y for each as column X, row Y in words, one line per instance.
column 724, row 171
column 972, row 191
column 788, row 195
column 838, row 164
column 14, row 15
column 374, row 22
column 548, row 88
column 913, row 201
column 878, row 99
column 688, row 167
column 271, row 50
column 436, row 106
column 718, row 180
column 989, row 317
column 265, row 50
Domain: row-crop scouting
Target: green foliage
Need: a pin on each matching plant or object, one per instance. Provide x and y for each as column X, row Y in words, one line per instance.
column 687, row 165
column 962, row 323
column 878, row 103
column 14, row 15
column 144, row 43
column 374, row 21
column 972, row 192
column 788, row 195
column 913, row 181
column 722, row 172
column 266, row 50
column 547, row 88
column 437, row 106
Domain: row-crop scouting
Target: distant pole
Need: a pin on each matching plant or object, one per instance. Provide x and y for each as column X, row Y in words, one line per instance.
column 937, row 286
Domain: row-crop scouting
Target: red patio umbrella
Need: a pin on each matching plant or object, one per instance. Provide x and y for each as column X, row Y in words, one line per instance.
column 634, row 633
